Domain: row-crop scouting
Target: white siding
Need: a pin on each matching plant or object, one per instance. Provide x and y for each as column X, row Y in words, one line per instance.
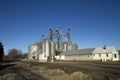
column 116, row 58
column 33, row 51
column 102, row 56
column 47, row 49
column 78, row 57
column 42, row 58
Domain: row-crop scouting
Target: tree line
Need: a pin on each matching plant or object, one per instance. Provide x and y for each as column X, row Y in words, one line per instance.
column 13, row 54
column 16, row 54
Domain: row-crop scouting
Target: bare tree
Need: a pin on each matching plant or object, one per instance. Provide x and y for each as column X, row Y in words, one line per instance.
column 25, row 55
column 14, row 54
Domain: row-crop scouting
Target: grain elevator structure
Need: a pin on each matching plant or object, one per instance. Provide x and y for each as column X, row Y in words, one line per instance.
column 50, row 47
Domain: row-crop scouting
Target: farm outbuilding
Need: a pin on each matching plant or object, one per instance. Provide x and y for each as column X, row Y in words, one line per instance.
column 107, row 53
column 80, row 54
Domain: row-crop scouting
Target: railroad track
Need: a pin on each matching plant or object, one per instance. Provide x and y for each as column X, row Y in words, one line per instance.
column 20, row 73
column 23, row 74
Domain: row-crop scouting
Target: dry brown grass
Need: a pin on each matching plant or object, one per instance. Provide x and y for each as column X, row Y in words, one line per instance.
column 54, row 72
column 8, row 76
column 79, row 76
column 2, row 78
column 58, row 74
column 118, row 79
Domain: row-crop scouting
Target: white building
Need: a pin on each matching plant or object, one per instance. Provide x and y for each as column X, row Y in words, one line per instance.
column 102, row 54
column 106, row 53
column 80, row 54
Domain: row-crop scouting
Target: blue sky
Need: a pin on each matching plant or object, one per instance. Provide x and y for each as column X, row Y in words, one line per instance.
column 93, row 23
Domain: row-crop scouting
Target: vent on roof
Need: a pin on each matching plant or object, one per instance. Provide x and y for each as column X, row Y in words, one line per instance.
column 104, row 47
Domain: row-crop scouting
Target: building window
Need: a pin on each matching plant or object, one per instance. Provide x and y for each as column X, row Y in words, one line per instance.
column 107, row 54
column 33, row 57
column 99, row 55
column 115, row 55
column 44, row 55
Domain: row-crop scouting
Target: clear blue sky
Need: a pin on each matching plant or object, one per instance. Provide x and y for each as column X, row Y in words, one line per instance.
column 93, row 23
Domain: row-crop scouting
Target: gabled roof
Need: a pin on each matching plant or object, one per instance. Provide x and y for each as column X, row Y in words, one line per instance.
column 108, row 49
column 79, row 51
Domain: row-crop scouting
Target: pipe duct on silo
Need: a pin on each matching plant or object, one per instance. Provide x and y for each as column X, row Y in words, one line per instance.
column 43, row 47
column 65, row 47
column 52, row 48
column 47, row 49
